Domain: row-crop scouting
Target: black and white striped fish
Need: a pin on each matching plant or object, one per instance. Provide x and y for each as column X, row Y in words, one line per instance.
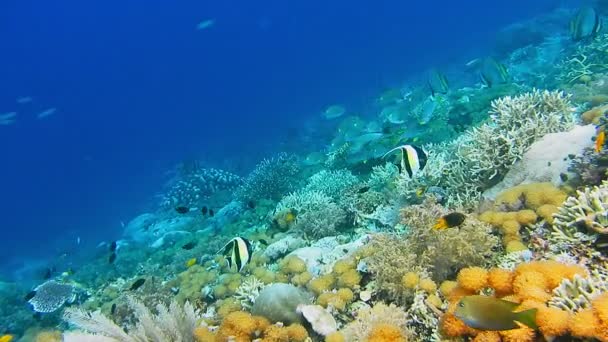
column 237, row 252
column 413, row 159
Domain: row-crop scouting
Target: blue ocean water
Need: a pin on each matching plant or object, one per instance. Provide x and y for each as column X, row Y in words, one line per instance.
column 138, row 88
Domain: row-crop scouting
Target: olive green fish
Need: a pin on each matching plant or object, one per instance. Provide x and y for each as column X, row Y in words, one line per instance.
column 489, row 313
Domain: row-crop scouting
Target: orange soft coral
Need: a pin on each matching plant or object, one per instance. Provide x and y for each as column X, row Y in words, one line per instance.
column 385, row 333
column 239, row 324
column 473, row 278
column 487, row 336
column 452, row 326
column 600, row 307
column 583, row 324
column 501, row 281
column 526, row 280
column 552, row 321
column 523, row 334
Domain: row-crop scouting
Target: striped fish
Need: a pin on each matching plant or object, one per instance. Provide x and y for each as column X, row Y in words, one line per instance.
column 493, row 73
column 237, row 252
column 437, row 82
column 586, row 23
column 413, row 159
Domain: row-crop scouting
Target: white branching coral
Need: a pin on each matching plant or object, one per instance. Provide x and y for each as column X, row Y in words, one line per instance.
column 316, row 214
column 331, row 183
column 248, row 292
column 174, row 323
column 484, row 154
column 588, row 210
column 577, row 294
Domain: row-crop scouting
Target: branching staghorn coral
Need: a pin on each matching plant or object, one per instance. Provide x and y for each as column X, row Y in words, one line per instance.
column 588, row 210
column 483, row 155
column 248, row 291
column 331, row 183
column 270, row 179
column 171, row 324
column 588, row 59
column 576, row 294
column 317, row 215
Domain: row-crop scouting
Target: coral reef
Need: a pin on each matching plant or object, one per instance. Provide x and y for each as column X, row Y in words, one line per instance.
column 381, row 316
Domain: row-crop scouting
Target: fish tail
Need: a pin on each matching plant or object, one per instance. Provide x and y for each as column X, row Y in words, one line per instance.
column 441, row 224
column 527, row 317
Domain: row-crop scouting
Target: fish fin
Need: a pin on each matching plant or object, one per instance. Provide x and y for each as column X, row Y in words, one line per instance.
column 527, row 318
column 512, row 305
column 394, row 149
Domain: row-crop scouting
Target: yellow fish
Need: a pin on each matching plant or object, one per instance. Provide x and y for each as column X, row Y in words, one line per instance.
column 6, row 338
column 599, row 141
column 189, row 263
column 489, row 313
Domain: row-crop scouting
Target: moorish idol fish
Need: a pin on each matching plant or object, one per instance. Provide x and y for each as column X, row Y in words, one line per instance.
column 437, row 82
column 586, row 23
column 492, row 72
column 238, row 252
column 413, row 159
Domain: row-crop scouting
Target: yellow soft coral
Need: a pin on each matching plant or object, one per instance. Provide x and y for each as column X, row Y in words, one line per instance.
column 202, row 334
column 386, row 333
column 350, row 279
column 344, row 265
column 447, row 286
column 48, row 336
column 297, row 333
column 321, row 284
column 427, row 285
column 410, row 280
column 335, row 337
column 515, row 246
column 292, row 265
column 473, row 278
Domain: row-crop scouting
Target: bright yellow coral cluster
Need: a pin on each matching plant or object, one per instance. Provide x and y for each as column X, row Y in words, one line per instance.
column 241, row 326
column 521, row 206
column 531, row 285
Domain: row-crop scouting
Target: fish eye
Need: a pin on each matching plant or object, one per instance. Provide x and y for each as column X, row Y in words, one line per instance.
column 461, row 304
